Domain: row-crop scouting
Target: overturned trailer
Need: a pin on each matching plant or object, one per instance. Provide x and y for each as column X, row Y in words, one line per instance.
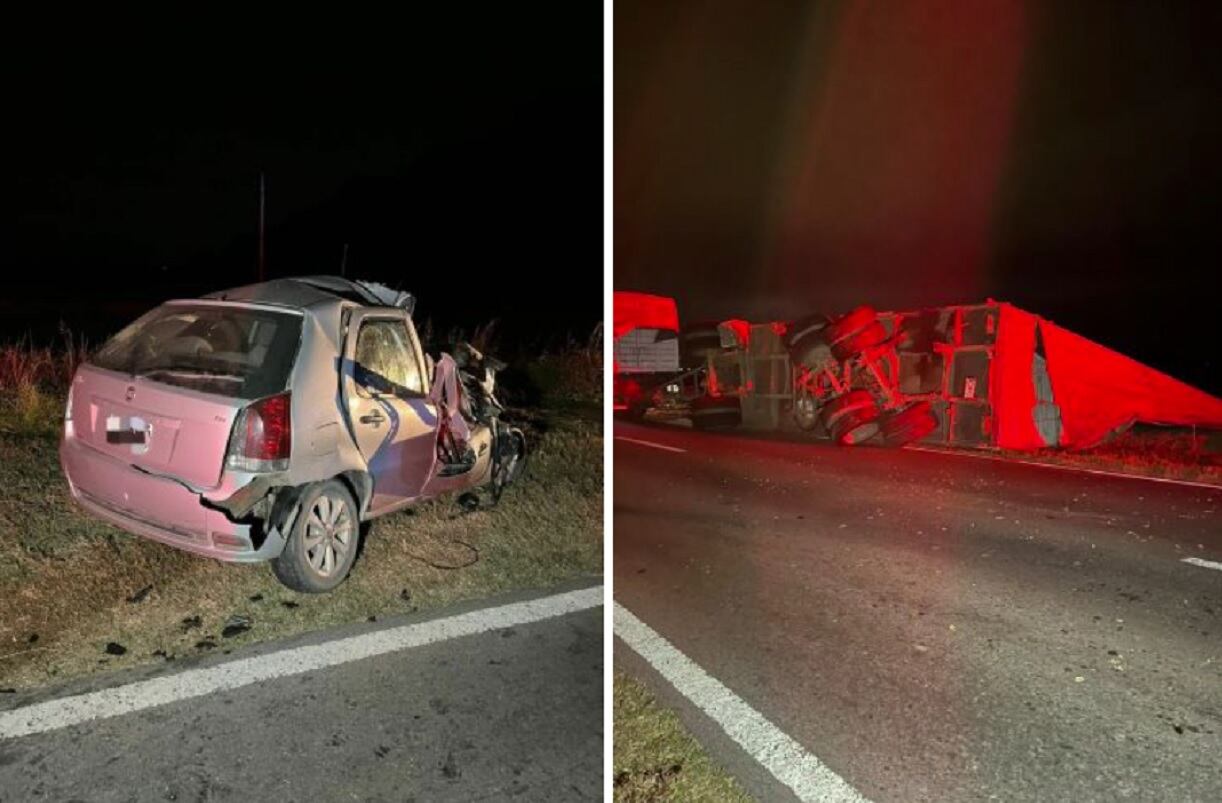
column 978, row 375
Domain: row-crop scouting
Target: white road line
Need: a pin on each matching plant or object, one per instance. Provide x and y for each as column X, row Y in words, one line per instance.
column 1080, row 470
column 1206, row 564
column 66, row 711
column 788, row 761
column 650, row 443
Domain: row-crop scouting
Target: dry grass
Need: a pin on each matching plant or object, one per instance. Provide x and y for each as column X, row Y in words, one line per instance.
column 1148, row 451
column 655, row 758
column 67, row 580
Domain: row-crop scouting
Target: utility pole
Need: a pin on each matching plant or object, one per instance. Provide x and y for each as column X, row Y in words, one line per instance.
column 262, row 238
column 343, row 262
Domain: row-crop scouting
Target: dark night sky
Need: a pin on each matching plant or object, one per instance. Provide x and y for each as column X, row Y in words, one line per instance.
column 460, row 156
column 778, row 159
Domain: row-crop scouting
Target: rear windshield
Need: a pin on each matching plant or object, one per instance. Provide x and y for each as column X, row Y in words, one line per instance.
column 231, row 351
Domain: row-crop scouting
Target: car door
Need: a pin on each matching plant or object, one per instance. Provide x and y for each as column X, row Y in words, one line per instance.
column 385, row 391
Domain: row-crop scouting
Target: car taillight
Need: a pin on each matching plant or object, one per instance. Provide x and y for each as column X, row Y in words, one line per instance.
column 262, row 437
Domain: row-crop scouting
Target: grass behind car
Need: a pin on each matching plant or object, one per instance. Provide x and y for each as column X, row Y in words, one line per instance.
column 82, row 596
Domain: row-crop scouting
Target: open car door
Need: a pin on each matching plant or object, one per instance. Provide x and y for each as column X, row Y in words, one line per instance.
column 385, row 391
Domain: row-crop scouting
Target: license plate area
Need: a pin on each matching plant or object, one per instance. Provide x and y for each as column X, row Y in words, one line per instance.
column 128, row 431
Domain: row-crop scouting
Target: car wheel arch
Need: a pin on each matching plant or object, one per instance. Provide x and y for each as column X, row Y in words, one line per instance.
column 360, row 485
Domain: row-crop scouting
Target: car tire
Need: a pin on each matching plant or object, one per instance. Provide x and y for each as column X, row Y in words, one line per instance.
column 910, row 424
column 853, row 418
column 326, row 519
column 716, row 412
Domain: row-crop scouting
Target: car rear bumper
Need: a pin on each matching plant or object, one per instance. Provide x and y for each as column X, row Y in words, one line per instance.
column 158, row 508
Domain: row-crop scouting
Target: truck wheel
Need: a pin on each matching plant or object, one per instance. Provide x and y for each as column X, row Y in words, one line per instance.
column 807, row 343
column 716, row 412
column 697, row 342
column 805, row 327
column 805, row 410
column 910, row 424
column 852, row 419
column 636, row 400
column 855, row 332
column 323, row 542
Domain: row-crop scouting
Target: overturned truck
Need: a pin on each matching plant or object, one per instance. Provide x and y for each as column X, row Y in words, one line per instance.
column 978, row 375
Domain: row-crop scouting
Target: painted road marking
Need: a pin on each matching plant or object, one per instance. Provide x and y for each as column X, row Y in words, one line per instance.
column 649, row 443
column 1080, row 470
column 788, row 761
column 66, row 711
column 1206, row 564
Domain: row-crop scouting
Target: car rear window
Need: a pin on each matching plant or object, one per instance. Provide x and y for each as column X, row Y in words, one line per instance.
column 231, row 351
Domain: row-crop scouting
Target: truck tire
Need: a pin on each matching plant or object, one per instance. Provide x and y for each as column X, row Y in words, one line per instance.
column 805, row 410
column 327, row 520
column 855, row 332
column 807, row 343
column 636, row 399
column 853, row 418
column 697, row 342
column 716, row 412
column 910, row 424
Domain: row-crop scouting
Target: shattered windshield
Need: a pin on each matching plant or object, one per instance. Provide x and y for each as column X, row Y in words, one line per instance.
column 231, row 351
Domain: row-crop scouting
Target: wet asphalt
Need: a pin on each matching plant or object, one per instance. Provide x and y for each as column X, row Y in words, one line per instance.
column 933, row 627
column 514, row 713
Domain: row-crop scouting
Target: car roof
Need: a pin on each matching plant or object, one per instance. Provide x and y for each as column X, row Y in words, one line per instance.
column 309, row 291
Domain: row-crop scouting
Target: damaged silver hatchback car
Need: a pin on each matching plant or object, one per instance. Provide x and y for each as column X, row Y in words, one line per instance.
column 269, row 421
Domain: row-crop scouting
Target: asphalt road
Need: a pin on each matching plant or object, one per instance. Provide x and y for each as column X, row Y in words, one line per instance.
column 932, row 627
column 513, row 713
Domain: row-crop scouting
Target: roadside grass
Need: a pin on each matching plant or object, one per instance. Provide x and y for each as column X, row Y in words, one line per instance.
column 1175, row 453
column 654, row 756
column 81, row 596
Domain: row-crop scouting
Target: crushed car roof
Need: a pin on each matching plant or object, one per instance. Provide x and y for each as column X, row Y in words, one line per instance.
column 306, row 291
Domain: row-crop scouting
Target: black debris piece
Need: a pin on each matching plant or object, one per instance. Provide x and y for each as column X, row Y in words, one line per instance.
column 115, row 648
column 288, row 603
column 235, row 625
column 140, row 595
column 191, row 622
column 206, row 644
column 256, row 598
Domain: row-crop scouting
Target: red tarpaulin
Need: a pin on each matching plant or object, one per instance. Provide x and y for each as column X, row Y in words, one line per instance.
column 643, row 311
column 1099, row 390
column 1012, row 389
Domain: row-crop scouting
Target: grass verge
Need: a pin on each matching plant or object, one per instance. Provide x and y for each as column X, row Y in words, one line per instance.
column 1146, row 451
column 655, row 758
column 81, row 596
